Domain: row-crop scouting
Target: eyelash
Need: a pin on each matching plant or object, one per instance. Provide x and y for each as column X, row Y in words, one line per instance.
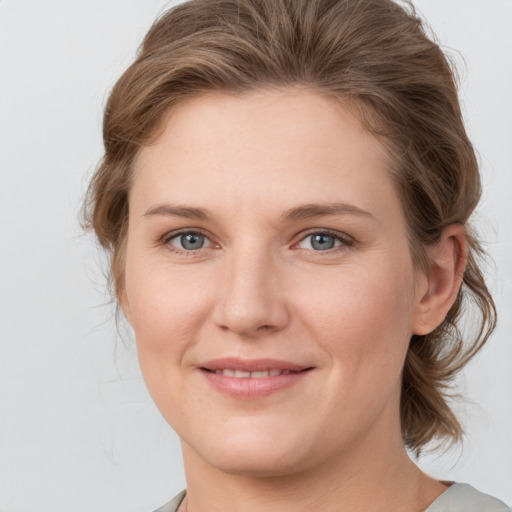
column 166, row 239
column 345, row 240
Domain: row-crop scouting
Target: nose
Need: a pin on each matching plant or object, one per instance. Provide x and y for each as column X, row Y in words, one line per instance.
column 251, row 298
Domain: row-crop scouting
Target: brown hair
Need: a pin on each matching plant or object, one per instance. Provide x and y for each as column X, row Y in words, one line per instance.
column 371, row 54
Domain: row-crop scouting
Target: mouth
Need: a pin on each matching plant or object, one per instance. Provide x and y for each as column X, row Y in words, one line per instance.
column 252, row 379
column 242, row 374
column 252, row 368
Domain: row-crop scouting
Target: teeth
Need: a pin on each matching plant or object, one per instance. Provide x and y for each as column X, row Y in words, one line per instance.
column 255, row 375
column 259, row 375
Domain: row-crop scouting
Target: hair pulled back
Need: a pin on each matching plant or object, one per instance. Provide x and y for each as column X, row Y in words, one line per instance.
column 374, row 56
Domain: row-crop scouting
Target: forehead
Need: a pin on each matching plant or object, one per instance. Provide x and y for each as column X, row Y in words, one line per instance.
column 263, row 148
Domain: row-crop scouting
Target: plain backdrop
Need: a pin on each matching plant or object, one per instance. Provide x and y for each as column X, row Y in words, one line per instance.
column 78, row 431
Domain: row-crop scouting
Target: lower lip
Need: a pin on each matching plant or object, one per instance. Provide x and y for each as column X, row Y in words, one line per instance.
column 249, row 388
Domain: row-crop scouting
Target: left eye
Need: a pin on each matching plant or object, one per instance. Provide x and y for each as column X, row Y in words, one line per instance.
column 320, row 241
column 190, row 241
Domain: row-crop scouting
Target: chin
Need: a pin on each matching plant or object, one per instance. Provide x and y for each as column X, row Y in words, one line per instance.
column 257, row 454
column 256, row 465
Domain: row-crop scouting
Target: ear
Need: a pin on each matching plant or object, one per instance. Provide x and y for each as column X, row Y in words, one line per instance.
column 447, row 261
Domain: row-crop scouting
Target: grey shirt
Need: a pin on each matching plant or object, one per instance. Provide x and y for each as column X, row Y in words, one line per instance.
column 457, row 498
column 464, row 498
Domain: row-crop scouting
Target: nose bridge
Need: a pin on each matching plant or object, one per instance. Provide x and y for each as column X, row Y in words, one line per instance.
column 251, row 296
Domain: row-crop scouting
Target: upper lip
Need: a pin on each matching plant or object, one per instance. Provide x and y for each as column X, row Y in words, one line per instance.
column 251, row 365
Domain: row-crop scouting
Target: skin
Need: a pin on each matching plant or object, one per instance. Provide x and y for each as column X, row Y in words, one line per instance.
column 258, row 288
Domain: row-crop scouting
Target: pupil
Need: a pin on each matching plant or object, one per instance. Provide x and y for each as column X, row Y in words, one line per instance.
column 192, row 241
column 322, row 242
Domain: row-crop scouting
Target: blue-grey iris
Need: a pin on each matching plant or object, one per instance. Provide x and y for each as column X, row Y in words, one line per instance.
column 322, row 242
column 192, row 241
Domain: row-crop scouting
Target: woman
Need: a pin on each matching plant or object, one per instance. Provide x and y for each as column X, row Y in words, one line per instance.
column 286, row 193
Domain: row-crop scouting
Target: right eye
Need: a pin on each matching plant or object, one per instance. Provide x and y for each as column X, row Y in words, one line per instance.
column 188, row 241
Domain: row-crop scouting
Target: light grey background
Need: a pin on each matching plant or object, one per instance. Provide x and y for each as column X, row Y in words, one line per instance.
column 78, row 430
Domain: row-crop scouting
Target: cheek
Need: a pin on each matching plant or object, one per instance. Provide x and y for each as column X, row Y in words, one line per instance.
column 362, row 317
column 166, row 316
column 362, row 323
column 166, row 310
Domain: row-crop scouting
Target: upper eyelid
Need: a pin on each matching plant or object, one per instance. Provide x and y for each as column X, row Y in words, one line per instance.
column 173, row 234
column 332, row 232
column 346, row 243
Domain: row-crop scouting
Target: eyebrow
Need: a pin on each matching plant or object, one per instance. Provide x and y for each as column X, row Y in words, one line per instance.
column 303, row 212
column 309, row 211
column 170, row 210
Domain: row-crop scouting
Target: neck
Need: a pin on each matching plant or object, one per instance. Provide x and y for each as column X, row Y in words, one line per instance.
column 365, row 477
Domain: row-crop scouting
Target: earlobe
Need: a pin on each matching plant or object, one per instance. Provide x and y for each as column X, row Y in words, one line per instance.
column 444, row 279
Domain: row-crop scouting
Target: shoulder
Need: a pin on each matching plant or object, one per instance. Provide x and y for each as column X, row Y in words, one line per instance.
column 173, row 505
column 458, row 498
column 464, row 498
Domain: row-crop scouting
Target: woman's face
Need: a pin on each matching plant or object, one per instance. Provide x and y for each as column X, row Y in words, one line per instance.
column 269, row 281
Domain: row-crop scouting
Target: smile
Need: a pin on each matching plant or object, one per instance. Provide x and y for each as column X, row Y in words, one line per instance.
column 242, row 374
column 254, row 379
